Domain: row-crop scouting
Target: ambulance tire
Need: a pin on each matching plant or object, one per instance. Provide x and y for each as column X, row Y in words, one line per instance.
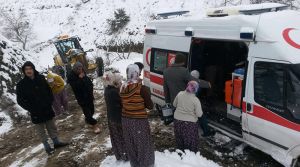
column 159, row 112
column 100, row 66
column 296, row 163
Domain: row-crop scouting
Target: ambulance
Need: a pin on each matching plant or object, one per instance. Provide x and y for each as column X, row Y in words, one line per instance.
column 251, row 56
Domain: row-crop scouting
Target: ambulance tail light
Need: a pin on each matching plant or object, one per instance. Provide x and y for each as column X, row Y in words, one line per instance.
column 150, row 31
column 189, row 32
column 247, row 33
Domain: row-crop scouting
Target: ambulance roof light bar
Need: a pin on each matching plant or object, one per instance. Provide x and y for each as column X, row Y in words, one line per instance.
column 168, row 14
column 150, row 30
column 246, row 9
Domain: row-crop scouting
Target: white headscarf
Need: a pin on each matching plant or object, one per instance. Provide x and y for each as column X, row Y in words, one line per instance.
column 195, row 74
column 112, row 79
column 133, row 73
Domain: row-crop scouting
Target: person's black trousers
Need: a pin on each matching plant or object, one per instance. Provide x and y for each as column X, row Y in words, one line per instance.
column 88, row 111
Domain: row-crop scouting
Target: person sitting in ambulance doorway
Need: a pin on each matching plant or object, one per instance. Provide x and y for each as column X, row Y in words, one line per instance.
column 207, row 131
column 176, row 78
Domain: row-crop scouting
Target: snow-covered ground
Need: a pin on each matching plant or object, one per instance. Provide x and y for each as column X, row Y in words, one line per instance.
column 7, row 123
column 167, row 159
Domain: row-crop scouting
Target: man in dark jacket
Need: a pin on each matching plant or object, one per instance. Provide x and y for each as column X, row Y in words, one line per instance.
column 82, row 87
column 35, row 96
column 176, row 78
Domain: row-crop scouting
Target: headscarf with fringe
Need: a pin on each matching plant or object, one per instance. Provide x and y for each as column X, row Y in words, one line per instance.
column 133, row 73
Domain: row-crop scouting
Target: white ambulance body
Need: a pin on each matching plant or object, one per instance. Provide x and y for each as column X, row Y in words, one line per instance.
column 268, row 43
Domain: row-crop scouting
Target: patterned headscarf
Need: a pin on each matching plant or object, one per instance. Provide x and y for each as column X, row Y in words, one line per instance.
column 112, row 79
column 133, row 73
column 192, row 87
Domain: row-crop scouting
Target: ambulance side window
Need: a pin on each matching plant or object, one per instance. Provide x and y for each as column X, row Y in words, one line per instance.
column 160, row 59
column 269, row 85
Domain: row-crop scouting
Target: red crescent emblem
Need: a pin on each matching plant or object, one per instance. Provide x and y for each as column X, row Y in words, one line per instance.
column 147, row 56
column 288, row 39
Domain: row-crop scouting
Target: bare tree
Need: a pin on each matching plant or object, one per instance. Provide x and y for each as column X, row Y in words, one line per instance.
column 17, row 27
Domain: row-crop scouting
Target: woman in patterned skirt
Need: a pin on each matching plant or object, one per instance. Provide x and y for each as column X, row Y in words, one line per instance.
column 188, row 110
column 112, row 82
column 136, row 129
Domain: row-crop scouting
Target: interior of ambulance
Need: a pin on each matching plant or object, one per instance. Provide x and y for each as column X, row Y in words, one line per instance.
column 223, row 64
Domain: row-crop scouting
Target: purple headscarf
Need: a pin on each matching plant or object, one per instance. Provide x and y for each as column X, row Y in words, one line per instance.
column 192, row 87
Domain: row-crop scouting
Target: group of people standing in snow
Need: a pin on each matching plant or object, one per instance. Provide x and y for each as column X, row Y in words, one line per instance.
column 127, row 103
column 127, row 106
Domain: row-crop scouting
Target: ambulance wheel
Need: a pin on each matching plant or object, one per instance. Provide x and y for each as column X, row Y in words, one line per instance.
column 296, row 163
column 100, row 66
column 158, row 110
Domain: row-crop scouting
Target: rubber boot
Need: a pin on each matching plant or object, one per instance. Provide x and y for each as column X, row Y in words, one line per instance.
column 58, row 144
column 48, row 148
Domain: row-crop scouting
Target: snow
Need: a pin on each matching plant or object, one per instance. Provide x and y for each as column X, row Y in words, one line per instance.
column 30, row 152
column 107, row 143
column 122, row 65
column 35, row 162
column 167, row 159
column 6, row 124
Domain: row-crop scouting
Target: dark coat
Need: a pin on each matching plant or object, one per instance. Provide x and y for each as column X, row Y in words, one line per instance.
column 113, row 104
column 35, row 96
column 175, row 80
column 82, row 88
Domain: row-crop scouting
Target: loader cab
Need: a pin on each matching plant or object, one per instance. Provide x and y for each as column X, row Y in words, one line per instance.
column 64, row 44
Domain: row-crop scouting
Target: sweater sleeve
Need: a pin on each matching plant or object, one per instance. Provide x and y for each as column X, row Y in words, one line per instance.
column 198, row 108
column 59, row 80
column 176, row 101
column 145, row 93
column 204, row 84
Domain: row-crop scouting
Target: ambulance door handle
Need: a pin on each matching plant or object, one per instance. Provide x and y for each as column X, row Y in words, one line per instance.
column 249, row 107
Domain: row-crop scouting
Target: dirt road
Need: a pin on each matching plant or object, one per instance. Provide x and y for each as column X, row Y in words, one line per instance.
column 21, row 147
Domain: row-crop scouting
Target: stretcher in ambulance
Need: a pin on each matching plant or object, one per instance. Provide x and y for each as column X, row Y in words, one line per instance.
column 251, row 57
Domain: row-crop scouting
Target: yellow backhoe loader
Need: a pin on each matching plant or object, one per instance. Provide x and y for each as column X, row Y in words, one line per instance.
column 70, row 51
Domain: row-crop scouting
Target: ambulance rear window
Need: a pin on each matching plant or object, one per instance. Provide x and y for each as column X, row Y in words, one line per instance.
column 162, row 59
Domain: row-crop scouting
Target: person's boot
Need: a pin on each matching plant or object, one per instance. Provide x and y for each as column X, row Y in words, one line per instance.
column 96, row 129
column 49, row 150
column 58, row 144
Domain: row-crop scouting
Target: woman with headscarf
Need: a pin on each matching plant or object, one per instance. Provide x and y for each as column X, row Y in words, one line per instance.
column 188, row 110
column 136, row 129
column 83, row 90
column 112, row 82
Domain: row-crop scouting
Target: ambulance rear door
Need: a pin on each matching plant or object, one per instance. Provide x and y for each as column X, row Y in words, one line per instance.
column 163, row 53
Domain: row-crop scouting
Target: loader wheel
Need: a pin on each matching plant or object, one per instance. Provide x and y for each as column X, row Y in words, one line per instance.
column 296, row 163
column 68, row 69
column 100, row 66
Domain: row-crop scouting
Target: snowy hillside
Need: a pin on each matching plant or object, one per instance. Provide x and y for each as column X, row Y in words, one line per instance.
column 88, row 20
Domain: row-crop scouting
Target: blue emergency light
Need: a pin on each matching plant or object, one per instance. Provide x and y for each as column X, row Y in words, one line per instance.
column 189, row 32
column 150, row 31
column 247, row 33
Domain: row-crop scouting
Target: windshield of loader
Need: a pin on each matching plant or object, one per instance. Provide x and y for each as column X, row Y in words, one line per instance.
column 65, row 46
